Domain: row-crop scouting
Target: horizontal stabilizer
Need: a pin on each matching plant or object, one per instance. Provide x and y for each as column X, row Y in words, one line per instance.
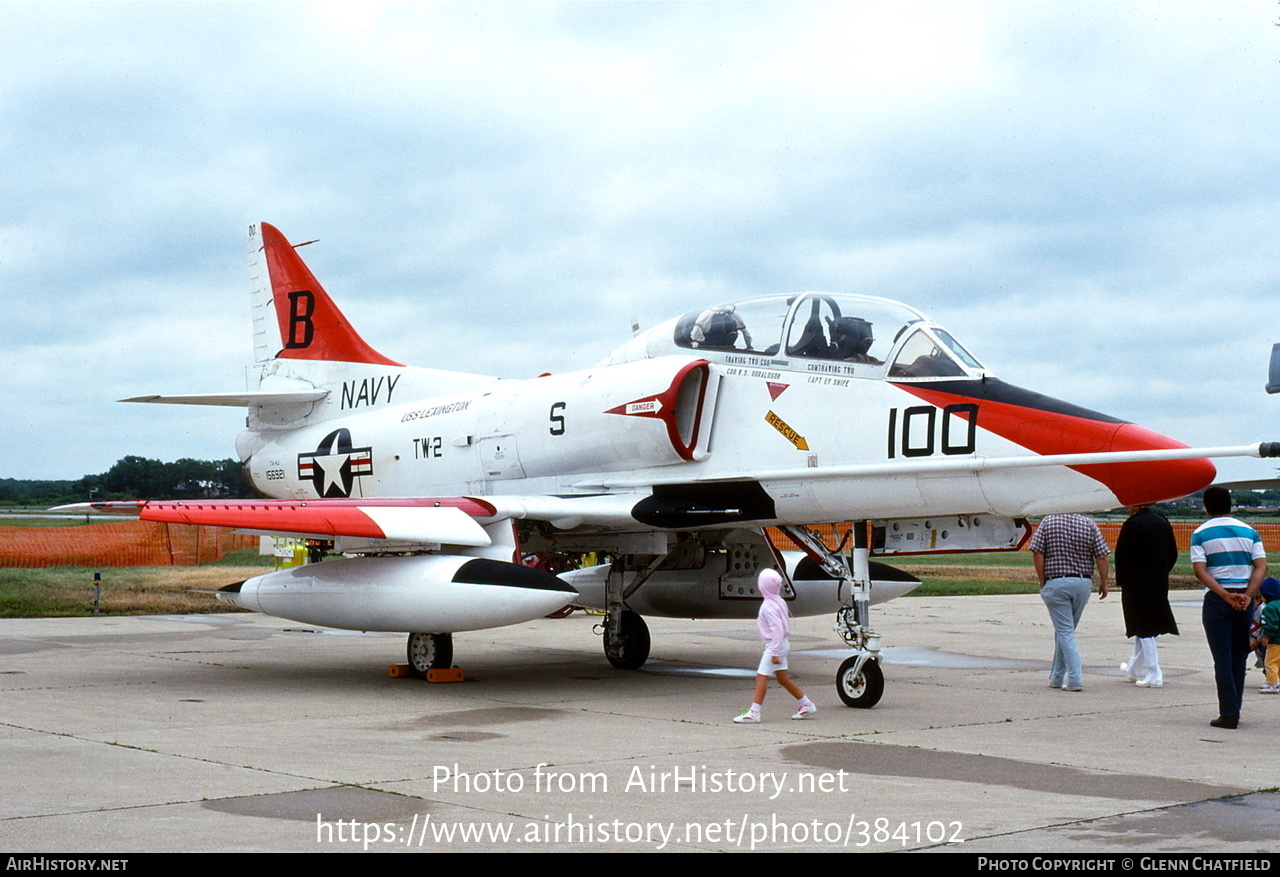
column 241, row 399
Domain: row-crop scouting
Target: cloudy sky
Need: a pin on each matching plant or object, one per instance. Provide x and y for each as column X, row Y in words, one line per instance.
column 1086, row 194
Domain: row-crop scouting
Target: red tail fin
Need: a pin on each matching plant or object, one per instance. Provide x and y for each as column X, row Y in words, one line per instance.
column 311, row 326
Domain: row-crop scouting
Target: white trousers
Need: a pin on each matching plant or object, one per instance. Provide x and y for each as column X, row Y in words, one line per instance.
column 1144, row 664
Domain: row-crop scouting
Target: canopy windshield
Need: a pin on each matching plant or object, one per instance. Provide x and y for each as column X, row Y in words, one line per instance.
column 882, row 335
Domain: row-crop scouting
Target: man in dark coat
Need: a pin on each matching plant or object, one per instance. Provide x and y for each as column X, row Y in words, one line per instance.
column 1145, row 552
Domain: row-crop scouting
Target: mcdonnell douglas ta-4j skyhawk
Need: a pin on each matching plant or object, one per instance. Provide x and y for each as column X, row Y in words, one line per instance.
column 669, row 458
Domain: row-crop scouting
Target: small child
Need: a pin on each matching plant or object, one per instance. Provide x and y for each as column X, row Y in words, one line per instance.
column 774, row 624
column 1270, row 591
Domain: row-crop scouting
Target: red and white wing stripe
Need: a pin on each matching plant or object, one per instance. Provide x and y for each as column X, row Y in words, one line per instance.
column 445, row 520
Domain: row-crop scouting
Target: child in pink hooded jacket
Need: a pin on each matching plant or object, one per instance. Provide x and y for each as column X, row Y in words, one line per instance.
column 774, row 624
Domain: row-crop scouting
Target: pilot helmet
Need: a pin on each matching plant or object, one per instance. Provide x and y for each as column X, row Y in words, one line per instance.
column 852, row 336
column 720, row 330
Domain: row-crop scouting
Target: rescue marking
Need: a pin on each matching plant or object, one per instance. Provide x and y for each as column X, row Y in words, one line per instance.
column 787, row 432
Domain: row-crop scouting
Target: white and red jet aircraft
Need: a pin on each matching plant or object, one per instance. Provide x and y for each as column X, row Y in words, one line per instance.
column 669, row 457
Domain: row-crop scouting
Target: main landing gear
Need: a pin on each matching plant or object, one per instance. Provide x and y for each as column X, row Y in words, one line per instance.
column 626, row 636
column 430, row 651
column 859, row 681
column 628, row 648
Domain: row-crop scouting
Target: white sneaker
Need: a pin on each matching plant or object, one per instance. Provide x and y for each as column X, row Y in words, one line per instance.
column 804, row 712
column 1124, row 668
column 747, row 718
column 1144, row 683
column 1270, row 689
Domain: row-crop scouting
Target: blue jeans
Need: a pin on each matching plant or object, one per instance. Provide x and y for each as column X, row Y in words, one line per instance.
column 1065, row 599
column 1227, row 631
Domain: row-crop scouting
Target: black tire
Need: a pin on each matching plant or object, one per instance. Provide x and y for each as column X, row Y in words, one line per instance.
column 631, row 649
column 430, row 651
column 861, row 690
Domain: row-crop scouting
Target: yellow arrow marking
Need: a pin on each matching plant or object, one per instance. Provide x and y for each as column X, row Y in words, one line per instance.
column 787, row 432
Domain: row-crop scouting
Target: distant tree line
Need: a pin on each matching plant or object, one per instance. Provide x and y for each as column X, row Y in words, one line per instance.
column 135, row 478
column 1255, row 498
column 1256, row 501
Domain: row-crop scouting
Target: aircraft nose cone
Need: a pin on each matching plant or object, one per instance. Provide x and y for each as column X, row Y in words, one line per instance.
column 1154, row 481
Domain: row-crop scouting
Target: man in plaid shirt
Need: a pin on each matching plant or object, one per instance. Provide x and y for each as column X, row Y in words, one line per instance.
column 1066, row 548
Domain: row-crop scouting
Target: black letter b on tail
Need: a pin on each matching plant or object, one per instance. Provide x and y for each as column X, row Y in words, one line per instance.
column 301, row 305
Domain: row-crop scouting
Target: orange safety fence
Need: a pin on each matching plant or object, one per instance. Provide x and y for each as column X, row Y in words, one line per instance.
column 146, row 543
column 120, row 543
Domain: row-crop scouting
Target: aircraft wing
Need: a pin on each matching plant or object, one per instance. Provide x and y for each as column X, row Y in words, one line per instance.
column 445, row 520
column 960, row 464
column 448, row 520
column 461, row 520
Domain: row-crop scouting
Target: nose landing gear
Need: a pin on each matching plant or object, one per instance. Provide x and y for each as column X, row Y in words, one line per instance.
column 859, row 681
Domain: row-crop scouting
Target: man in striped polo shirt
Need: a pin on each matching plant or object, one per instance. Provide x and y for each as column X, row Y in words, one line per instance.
column 1228, row 559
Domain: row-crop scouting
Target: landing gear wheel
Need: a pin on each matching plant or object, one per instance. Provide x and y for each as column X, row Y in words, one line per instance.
column 631, row 649
column 430, row 651
column 863, row 689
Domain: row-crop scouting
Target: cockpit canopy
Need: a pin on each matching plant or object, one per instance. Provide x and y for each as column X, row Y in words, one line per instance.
column 813, row 331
